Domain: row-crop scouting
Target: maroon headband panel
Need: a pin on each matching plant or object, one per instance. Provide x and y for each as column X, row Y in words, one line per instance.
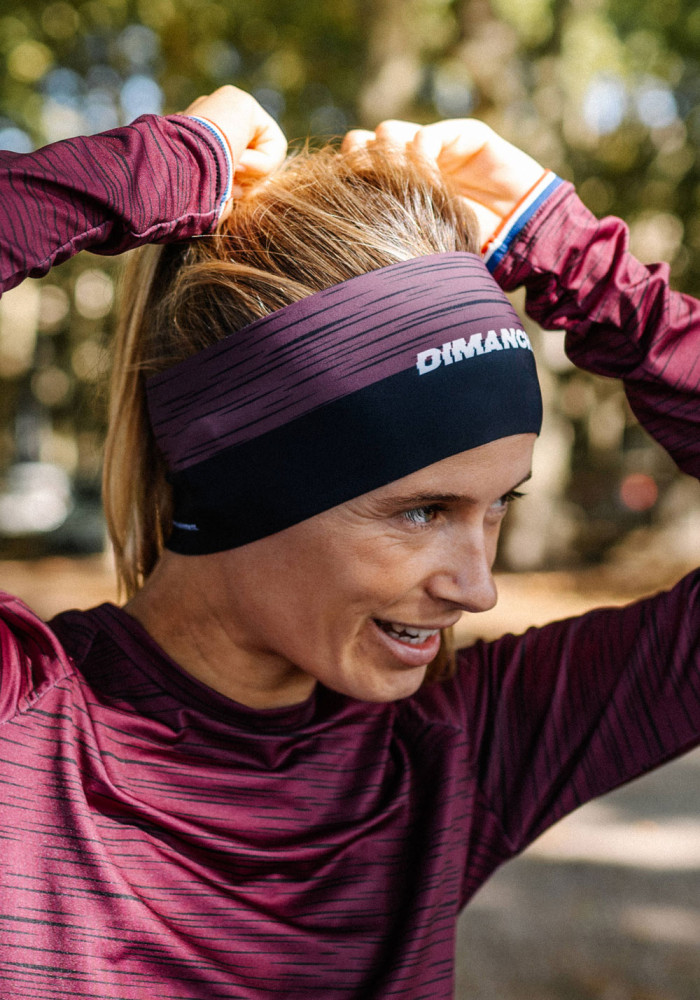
column 414, row 314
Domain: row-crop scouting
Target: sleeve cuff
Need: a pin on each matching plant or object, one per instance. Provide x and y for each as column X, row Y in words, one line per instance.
column 226, row 148
column 497, row 247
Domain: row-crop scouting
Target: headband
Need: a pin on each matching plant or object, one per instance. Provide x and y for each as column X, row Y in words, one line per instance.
column 337, row 394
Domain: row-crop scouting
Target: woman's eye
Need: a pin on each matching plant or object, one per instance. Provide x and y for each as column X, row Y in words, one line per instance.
column 501, row 505
column 420, row 515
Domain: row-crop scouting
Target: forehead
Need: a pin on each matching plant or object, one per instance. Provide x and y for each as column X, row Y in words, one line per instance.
column 479, row 475
column 483, row 473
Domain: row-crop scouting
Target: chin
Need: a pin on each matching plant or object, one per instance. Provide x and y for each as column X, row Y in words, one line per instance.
column 383, row 689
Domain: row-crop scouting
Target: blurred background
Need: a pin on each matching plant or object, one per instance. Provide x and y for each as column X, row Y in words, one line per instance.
column 605, row 92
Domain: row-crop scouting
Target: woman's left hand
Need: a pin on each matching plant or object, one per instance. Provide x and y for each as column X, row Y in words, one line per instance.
column 491, row 174
column 257, row 143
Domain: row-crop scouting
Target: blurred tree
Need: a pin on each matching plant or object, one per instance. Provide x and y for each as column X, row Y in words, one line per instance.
column 604, row 91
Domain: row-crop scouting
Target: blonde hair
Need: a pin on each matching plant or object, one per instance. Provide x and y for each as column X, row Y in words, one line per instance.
column 324, row 218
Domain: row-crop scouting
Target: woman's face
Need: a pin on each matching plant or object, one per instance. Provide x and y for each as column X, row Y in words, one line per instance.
column 355, row 597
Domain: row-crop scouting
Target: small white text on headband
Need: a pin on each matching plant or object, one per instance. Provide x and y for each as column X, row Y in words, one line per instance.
column 461, row 349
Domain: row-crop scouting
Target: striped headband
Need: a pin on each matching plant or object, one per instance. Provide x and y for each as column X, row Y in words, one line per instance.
column 338, row 394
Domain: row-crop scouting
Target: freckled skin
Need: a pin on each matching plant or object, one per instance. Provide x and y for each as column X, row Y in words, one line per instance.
column 263, row 622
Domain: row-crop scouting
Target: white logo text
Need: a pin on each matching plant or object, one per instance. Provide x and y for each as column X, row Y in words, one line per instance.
column 461, row 349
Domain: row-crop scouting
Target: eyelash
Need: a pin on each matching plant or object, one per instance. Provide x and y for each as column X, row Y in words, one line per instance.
column 432, row 509
column 513, row 495
column 410, row 515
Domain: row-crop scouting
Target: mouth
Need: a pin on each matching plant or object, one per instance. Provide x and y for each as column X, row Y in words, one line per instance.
column 410, row 645
column 410, row 634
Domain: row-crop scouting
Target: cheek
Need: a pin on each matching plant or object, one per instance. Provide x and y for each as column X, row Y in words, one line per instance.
column 385, row 571
column 354, row 585
column 493, row 537
column 320, row 579
column 317, row 588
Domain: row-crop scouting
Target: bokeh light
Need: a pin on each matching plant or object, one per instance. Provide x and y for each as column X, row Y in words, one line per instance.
column 54, row 307
column 94, row 293
column 140, row 95
column 15, row 140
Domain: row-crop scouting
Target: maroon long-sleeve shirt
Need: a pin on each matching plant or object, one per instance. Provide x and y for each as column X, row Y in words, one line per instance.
column 161, row 841
column 155, row 180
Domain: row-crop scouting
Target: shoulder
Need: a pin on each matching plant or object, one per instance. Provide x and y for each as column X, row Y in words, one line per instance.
column 32, row 658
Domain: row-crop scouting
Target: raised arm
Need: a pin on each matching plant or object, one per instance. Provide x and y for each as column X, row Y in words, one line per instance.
column 620, row 316
column 622, row 319
column 156, row 180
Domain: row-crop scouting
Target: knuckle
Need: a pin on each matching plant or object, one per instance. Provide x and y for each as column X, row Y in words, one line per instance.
column 387, row 127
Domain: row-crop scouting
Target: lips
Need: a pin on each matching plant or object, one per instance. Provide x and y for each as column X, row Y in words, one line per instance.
column 410, row 634
column 408, row 644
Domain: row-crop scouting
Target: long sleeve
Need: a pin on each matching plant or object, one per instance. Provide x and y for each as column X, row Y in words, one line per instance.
column 155, row 180
column 568, row 712
column 621, row 318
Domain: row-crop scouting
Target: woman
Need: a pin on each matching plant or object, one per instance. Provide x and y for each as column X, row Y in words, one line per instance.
column 239, row 785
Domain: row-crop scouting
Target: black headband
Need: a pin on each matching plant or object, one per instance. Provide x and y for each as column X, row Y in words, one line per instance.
column 338, row 394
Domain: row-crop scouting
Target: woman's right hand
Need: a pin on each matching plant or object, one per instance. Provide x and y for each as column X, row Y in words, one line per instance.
column 491, row 174
column 257, row 143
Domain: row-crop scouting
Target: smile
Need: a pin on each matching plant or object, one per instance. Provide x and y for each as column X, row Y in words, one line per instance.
column 407, row 633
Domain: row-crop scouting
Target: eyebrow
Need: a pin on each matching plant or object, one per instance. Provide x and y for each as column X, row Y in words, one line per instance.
column 410, row 500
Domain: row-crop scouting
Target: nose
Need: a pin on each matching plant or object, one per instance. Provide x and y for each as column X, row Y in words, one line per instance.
column 462, row 573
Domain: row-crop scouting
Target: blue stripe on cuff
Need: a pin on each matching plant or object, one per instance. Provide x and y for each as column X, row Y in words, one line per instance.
column 216, row 132
column 500, row 247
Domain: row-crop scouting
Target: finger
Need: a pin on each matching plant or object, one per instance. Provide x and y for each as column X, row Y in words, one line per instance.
column 487, row 221
column 256, row 163
column 452, row 140
column 395, row 133
column 356, row 138
column 244, row 123
column 268, row 147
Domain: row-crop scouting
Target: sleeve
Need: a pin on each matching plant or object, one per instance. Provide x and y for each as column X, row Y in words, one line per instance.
column 567, row 712
column 620, row 317
column 156, row 180
column 31, row 657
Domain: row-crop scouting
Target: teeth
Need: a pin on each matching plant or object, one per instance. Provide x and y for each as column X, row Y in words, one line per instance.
column 407, row 633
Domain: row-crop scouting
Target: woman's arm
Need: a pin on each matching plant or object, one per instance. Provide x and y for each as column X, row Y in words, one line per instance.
column 621, row 318
column 156, row 180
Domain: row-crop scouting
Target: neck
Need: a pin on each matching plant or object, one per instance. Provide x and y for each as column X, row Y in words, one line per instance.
column 189, row 608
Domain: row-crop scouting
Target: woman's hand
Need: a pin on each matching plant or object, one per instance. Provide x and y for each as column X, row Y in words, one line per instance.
column 257, row 143
column 489, row 173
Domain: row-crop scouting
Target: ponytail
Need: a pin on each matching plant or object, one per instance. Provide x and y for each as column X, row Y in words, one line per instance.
column 135, row 491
